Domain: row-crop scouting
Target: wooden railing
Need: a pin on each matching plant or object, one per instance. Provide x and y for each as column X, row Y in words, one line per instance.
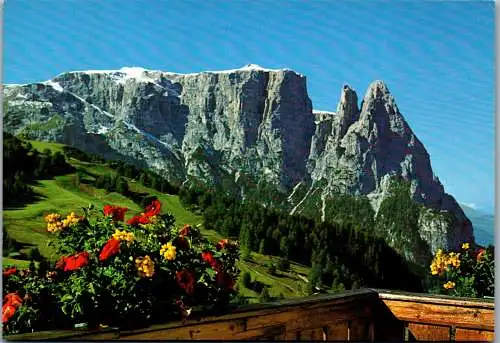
column 426, row 317
column 363, row 315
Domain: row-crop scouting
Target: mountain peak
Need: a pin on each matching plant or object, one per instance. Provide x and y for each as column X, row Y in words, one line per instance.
column 377, row 90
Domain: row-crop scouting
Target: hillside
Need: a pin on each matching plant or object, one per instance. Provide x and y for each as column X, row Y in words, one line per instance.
column 25, row 223
column 484, row 225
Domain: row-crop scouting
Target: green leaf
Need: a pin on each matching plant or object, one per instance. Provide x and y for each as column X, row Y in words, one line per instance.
column 66, row 297
column 210, row 272
column 91, row 288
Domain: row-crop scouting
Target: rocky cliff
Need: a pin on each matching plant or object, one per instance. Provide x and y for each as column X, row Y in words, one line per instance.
column 252, row 121
column 361, row 151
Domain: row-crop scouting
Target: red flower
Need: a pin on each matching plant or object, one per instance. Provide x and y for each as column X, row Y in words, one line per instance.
column 7, row 312
column 143, row 219
column 152, row 209
column 186, row 229
column 480, row 255
column 73, row 262
column 11, row 302
column 61, row 263
column 12, row 299
column 111, row 248
column 138, row 220
column 9, row 271
column 185, row 279
column 208, row 257
column 223, row 279
column 117, row 212
column 222, row 244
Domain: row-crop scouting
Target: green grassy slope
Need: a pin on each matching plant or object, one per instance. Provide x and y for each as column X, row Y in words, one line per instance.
column 26, row 225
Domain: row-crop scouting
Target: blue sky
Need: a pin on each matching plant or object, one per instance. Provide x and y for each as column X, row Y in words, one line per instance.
column 437, row 58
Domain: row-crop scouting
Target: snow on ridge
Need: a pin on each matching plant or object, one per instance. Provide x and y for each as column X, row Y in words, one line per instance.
column 322, row 111
column 54, row 85
column 248, row 67
column 15, row 84
column 123, row 74
column 147, row 75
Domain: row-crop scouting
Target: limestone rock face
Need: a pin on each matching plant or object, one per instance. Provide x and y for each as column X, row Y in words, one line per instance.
column 366, row 147
column 253, row 120
column 249, row 121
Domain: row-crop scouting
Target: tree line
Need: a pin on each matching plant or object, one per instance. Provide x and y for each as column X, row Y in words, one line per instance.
column 344, row 252
column 23, row 165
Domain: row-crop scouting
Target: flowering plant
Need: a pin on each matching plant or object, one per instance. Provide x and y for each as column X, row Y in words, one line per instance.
column 122, row 274
column 467, row 273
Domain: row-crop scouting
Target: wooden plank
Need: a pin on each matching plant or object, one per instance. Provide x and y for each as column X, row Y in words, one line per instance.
column 371, row 316
column 440, row 314
column 312, row 335
column 67, row 335
column 274, row 332
column 222, row 330
column 387, row 328
column 359, row 329
column 312, row 318
column 436, row 299
column 425, row 332
column 337, row 331
column 474, row 335
column 277, row 310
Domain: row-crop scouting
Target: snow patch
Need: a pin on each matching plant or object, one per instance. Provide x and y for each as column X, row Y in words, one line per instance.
column 323, row 112
column 323, row 206
column 54, row 85
column 147, row 75
column 21, row 96
column 300, row 203
column 7, row 85
column 121, row 76
column 102, row 130
column 294, row 190
column 248, row 67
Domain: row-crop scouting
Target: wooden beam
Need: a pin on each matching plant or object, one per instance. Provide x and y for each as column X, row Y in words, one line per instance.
column 445, row 311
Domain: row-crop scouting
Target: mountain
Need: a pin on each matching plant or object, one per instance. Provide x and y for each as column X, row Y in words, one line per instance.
column 251, row 126
column 484, row 224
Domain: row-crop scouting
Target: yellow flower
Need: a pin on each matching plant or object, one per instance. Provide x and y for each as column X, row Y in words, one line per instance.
column 465, row 246
column 124, row 236
column 442, row 261
column 449, row 285
column 453, row 259
column 145, row 266
column 168, row 251
column 71, row 219
column 54, row 223
column 52, row 217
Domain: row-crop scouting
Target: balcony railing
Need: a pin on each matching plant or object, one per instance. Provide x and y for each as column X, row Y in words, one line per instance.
column 362, row 315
